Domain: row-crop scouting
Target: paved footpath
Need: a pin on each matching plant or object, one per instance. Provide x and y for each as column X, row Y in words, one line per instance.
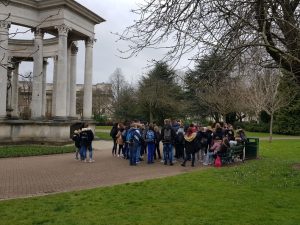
column 33, row 176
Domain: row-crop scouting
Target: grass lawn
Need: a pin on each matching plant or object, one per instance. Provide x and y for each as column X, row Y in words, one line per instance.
column 257, row 134
column 103, row 136
column 104, row 127
column 33, row 150
column 258, row 192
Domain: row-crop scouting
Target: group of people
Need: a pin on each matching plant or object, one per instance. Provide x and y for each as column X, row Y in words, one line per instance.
column 133, row 141
column 83, row 138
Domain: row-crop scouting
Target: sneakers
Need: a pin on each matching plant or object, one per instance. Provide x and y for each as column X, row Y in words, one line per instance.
column 182, row 164
column 91, row 160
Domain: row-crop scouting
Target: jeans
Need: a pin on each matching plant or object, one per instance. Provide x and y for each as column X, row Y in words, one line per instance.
column 90, row 148
column 138, row 151
column 168, row 152
column 126, row 151
column 83, row 149
column 209, row 158
column 132, row 150
column 151, row 149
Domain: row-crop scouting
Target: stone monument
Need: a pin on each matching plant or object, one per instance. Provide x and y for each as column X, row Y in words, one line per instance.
column 68, row 22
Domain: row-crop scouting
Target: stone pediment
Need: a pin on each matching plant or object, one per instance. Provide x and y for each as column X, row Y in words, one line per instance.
column 47, row 14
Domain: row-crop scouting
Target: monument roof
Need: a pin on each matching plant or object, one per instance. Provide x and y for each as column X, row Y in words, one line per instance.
column 72, row 4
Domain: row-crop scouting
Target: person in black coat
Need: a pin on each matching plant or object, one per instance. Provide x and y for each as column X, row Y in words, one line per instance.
column 190, row 146
column 113, row 134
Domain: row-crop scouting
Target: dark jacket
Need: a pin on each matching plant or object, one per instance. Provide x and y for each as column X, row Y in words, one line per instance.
column 191, row 143
column 114, row 131
column 76, row 139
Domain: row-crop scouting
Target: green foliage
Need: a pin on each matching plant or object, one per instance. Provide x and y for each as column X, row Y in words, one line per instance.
column 33, row 150
column 260, row 192
column 127, row 107
column 101, row 119
column 159, row 96
column 287, row 120
column 253, row 126
column 264, row 117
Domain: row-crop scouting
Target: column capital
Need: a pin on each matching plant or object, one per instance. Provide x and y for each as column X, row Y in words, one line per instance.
column 74, row 48
column 89, row 41
column 38, row 32
column 4, row 25
column 63, row 29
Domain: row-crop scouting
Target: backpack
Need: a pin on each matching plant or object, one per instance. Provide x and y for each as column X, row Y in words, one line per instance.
column 136, row 136
column 180, row 138
column 150, row 136
column 129, row 136
column 167, row 135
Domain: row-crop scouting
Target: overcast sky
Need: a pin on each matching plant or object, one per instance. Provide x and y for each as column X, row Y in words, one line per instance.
column 106, row 56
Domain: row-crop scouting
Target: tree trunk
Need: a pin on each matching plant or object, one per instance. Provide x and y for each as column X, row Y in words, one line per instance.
column 150, row 114
column 271, row 127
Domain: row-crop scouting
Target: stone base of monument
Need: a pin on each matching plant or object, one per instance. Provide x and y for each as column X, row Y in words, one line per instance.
column 39, row 132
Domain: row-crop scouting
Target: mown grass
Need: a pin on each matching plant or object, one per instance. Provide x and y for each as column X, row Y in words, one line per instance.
column 104, row 127
column 33, row 150
column 265, row 135
column 103, row 136
column 258, row 192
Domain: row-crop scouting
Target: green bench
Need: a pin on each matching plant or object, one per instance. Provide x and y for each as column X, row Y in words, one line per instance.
column 234, row 153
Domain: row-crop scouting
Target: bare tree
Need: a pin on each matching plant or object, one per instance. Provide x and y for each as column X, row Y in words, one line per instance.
column 118, row 83
column 264, row 95
column 232, row 26
column 102, row 101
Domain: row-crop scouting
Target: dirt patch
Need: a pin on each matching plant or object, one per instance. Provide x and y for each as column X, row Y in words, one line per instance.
column 296, row 166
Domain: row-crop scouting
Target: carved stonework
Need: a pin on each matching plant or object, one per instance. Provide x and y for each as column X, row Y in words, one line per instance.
column 55, row 58
column 63, row 29
column 74, row 48
column 4, row 25
column 89, row 42
column 38, row 32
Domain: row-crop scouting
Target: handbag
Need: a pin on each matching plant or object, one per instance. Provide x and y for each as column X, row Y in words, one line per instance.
column 218, row 162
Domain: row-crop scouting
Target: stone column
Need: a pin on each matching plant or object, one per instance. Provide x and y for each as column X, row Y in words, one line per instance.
column 9, row 90
column 68, row 80
column 62, row 73
column 37, row 81
column 15, row 91
column 73, row 75
column 54, row 87
column 44, row 86
column 4, row 27
column 88, row 79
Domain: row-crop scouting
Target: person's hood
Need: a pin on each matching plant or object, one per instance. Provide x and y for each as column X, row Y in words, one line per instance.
column 191, row 137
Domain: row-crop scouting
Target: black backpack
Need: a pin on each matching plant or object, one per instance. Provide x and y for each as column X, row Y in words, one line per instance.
column 167, row 135
column 180, row 138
